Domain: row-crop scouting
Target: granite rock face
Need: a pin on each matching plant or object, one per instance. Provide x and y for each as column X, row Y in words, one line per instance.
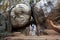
column 20, row 15
column 46, row 9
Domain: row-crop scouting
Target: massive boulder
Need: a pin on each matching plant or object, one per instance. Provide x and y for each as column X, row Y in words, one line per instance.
column 48, row 9
column 20, row 15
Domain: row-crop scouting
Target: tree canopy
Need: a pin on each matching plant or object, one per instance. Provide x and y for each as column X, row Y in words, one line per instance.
column 0, row 0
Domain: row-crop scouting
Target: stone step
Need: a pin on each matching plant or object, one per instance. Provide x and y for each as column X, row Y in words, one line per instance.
column 52, row 35
column 46, row 37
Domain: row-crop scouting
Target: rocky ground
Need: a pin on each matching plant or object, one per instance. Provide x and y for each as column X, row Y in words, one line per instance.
column 51, row 35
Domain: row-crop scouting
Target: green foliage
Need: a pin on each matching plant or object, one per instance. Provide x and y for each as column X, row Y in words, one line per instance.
column 0, row 0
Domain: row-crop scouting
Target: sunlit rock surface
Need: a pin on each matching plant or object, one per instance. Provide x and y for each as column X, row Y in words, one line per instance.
column 20, row 15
